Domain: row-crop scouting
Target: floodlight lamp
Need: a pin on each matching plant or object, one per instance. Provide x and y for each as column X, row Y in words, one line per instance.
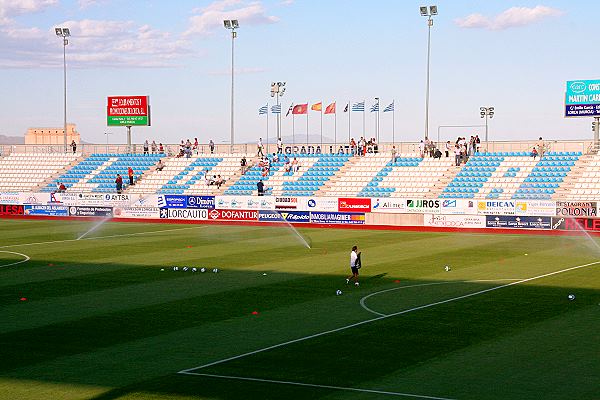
column 433, row 10
column 482, row 114
column 279, row 84
column 482, row 109
column 272, row 84
column 235, row 23
column 491, row 109
column 283, row 84
column 58, row 31
column 66, row 32
column 423, row 10
column 282, row 92
column 227, row 24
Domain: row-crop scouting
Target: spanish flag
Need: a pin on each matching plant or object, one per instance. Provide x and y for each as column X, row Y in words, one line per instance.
column 330, row 109
column 317, row 106
column 300, row 109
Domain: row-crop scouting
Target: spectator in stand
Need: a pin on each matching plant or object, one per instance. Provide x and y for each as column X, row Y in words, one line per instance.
column 260, row 186
column 279, row 146
column 211, row 145
column 182, row 147
column 457, row 154
column 219, row 181
column 275, row 158
column 119, row 184
column 60, row 187
column 534, row 152
column 74, row 146
column 393, row 154
column 146, row 147
column 160, row 165
column 448, row 148
column 195, row 146
column 477, row 144
column 362, row 144
column 153, row 147
column 130, row 175
column 161, row 148
column 352, row 146
column 541, row 147
column 259, row 145
column 287, row 167
column 243, row 165
column 188, row 149
column 295, row 165
column 422, row 149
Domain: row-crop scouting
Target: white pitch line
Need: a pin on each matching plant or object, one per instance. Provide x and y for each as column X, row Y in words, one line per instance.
column 385, row 316
column 27, row 258
column 351, row 389
column 363, row 305
column 103, row 237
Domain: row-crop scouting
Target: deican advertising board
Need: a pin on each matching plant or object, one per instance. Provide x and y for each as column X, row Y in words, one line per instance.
column 128, row 111
column 496, row 207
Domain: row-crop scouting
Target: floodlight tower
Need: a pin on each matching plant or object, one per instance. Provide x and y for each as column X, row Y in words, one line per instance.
column 428, row 12
column 64, row 33
column 277, row 91
column 486, row 112
column 232, row 24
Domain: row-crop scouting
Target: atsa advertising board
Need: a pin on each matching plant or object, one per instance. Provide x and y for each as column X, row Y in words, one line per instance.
column 184, row 213
column 337, row 218
column 576, row 224
column 354, row 204
column 518, row 222
column 576, row 209
column 318, row 203
column 388, row 205
column 233, row 215
column 423, row 206
column 128, row 111
column 11, row 209
column 117, row 200
column 496, row 207
column 284, row 216
column 90, row 211
column 47, row 210
column 454, row 221
column 544, row 208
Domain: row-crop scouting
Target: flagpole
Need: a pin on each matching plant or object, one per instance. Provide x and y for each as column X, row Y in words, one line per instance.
column 349, row 112
column 335, row 129
column 267, row 115
column 364, row 129
column 307, row 113
column 293, row 130
column 394, row 122
column 321, row 126
column 378, row 122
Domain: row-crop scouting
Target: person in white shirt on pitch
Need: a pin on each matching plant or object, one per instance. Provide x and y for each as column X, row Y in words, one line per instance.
column 354, row 265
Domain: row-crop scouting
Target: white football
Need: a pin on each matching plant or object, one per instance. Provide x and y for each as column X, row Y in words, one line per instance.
column 215, row 270
column 185, row 268
column 175, row 268
column 447, row 268
column 202, row 269
column 338, row 292
column 194, row 269
column 571, row 297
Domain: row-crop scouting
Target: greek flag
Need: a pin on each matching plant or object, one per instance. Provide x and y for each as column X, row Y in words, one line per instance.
column 375, row 107
column 263, row 110
column 389, row 108
column 276, row 109
column 358, row 106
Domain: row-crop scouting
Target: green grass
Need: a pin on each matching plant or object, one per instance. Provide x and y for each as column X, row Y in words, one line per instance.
column 102, row 321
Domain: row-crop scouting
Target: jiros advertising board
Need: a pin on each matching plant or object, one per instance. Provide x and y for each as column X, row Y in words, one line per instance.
column 423, row 206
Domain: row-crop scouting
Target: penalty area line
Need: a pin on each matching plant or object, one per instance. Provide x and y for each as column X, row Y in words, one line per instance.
column 314, row 385
column 315, row 335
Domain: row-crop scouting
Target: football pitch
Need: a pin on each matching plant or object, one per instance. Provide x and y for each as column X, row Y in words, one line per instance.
column 107, row 317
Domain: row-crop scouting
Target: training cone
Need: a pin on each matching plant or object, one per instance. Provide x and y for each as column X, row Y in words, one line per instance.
column 254, row 312
column 23, row 299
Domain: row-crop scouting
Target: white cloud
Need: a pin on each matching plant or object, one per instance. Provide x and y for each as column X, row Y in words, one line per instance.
column 93, row 43
column 83, row 4
column 211, row 18
column 510, row 18
column 287, row 2
column 13, row 8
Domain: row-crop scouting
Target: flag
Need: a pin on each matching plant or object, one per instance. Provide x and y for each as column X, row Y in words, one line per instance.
column 330, row 109
column 358, row 106
column 300, row 109
column 276, row 109
column 289, row 109
column 375, row 107
column 389, row 108
column 346, row 108
column 263, row 110
column 317, row 107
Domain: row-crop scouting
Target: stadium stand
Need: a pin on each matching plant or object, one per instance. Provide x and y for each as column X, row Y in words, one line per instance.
column 583, row 181
column 508, row 175
column 314, row 172
column 186, row 175
column 27, row 171
column 97, row 172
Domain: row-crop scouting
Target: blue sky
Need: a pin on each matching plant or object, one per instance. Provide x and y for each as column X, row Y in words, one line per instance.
column 513, row 56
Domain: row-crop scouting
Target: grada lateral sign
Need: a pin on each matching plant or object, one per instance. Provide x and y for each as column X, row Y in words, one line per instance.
column 128, row 111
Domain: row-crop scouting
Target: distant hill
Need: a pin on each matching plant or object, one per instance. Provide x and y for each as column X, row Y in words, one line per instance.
column 12, row 139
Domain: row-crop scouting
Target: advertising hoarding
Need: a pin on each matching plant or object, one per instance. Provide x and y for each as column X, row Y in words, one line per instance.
column 454, row 221
column 90, row 211
column 11, row 209
column 517, row 222
column 388, row 205
column 337, row 218
column 9, row 197
column 286, row 203
column 496, row 207
column 576, row 209
column 184, row 213
column 47, row 210
column 423, row 206
column 576, row 224
column 284, row 216
column 233, row 215
column 137, row 212
column 354, row 204
column 318, row 203
column 546, row 208
column 582, row 98
column 128, row 111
